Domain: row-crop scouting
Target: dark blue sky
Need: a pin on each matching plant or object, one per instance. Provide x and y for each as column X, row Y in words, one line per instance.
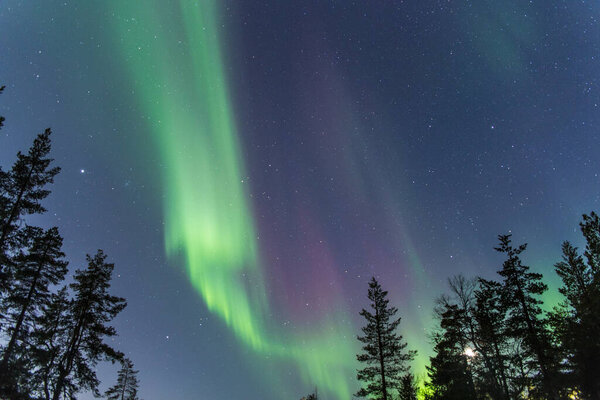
column 394, row 139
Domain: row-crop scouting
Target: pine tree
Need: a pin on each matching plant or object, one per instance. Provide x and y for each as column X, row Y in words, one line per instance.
column 52, row 342
column 41, row 266
column 92, row 310
column 21, row 190
column 408, row 387
column 127, row 383
column 522, row 289
column 577, row 320
column 383, row 348
column 48, row 340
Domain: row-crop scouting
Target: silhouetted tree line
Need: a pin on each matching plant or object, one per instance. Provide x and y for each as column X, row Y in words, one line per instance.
column 494, row 340
column 52, row 335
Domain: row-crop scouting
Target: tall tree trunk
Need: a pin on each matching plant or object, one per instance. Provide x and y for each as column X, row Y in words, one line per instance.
column 381, row 362
column 124, row 384
column 66, row 364
column 50, row 363
column 18, row 325
column 546, row 379
column 506, row 393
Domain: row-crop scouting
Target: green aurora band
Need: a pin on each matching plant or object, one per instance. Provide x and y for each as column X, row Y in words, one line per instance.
column 174, row 56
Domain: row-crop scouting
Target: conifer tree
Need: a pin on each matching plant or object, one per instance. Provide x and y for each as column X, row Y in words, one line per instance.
column 577, row 319
column 92, row 309
column 408, row 387
column 37, row 269
column 48, row 341
column 25, row 271
column 384, row 351
column 27, row 179
column 51, row 343
column 21, row 190
column 521, row 291
column 127, row 384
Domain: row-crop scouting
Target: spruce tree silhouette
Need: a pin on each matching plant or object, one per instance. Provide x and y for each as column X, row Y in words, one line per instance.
column 90, row 313
column 522, row 290
column 577, row 319
column 127, row 384
column 36, row 270
column 384, row 351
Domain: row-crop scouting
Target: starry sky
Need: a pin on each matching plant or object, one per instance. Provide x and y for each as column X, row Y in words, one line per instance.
column 249, row 165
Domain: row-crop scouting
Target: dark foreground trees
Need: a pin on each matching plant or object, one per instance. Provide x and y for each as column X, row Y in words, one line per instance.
column 522, row 290
column 23, row 189
column 576, row 321
column 450, row 372
column 384, row 351
column 34, row 271
column 91, row 311
column 408, row 387
column 52, row 336
column 495, row 341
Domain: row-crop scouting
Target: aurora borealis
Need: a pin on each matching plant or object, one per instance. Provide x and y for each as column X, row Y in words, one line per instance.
column 249, row 165
column 209, row 222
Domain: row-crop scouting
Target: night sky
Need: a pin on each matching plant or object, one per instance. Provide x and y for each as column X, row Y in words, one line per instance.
column 249, row 165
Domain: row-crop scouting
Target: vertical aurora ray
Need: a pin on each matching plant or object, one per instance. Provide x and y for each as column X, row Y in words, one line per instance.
column 368, row 187
column 174, row 58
